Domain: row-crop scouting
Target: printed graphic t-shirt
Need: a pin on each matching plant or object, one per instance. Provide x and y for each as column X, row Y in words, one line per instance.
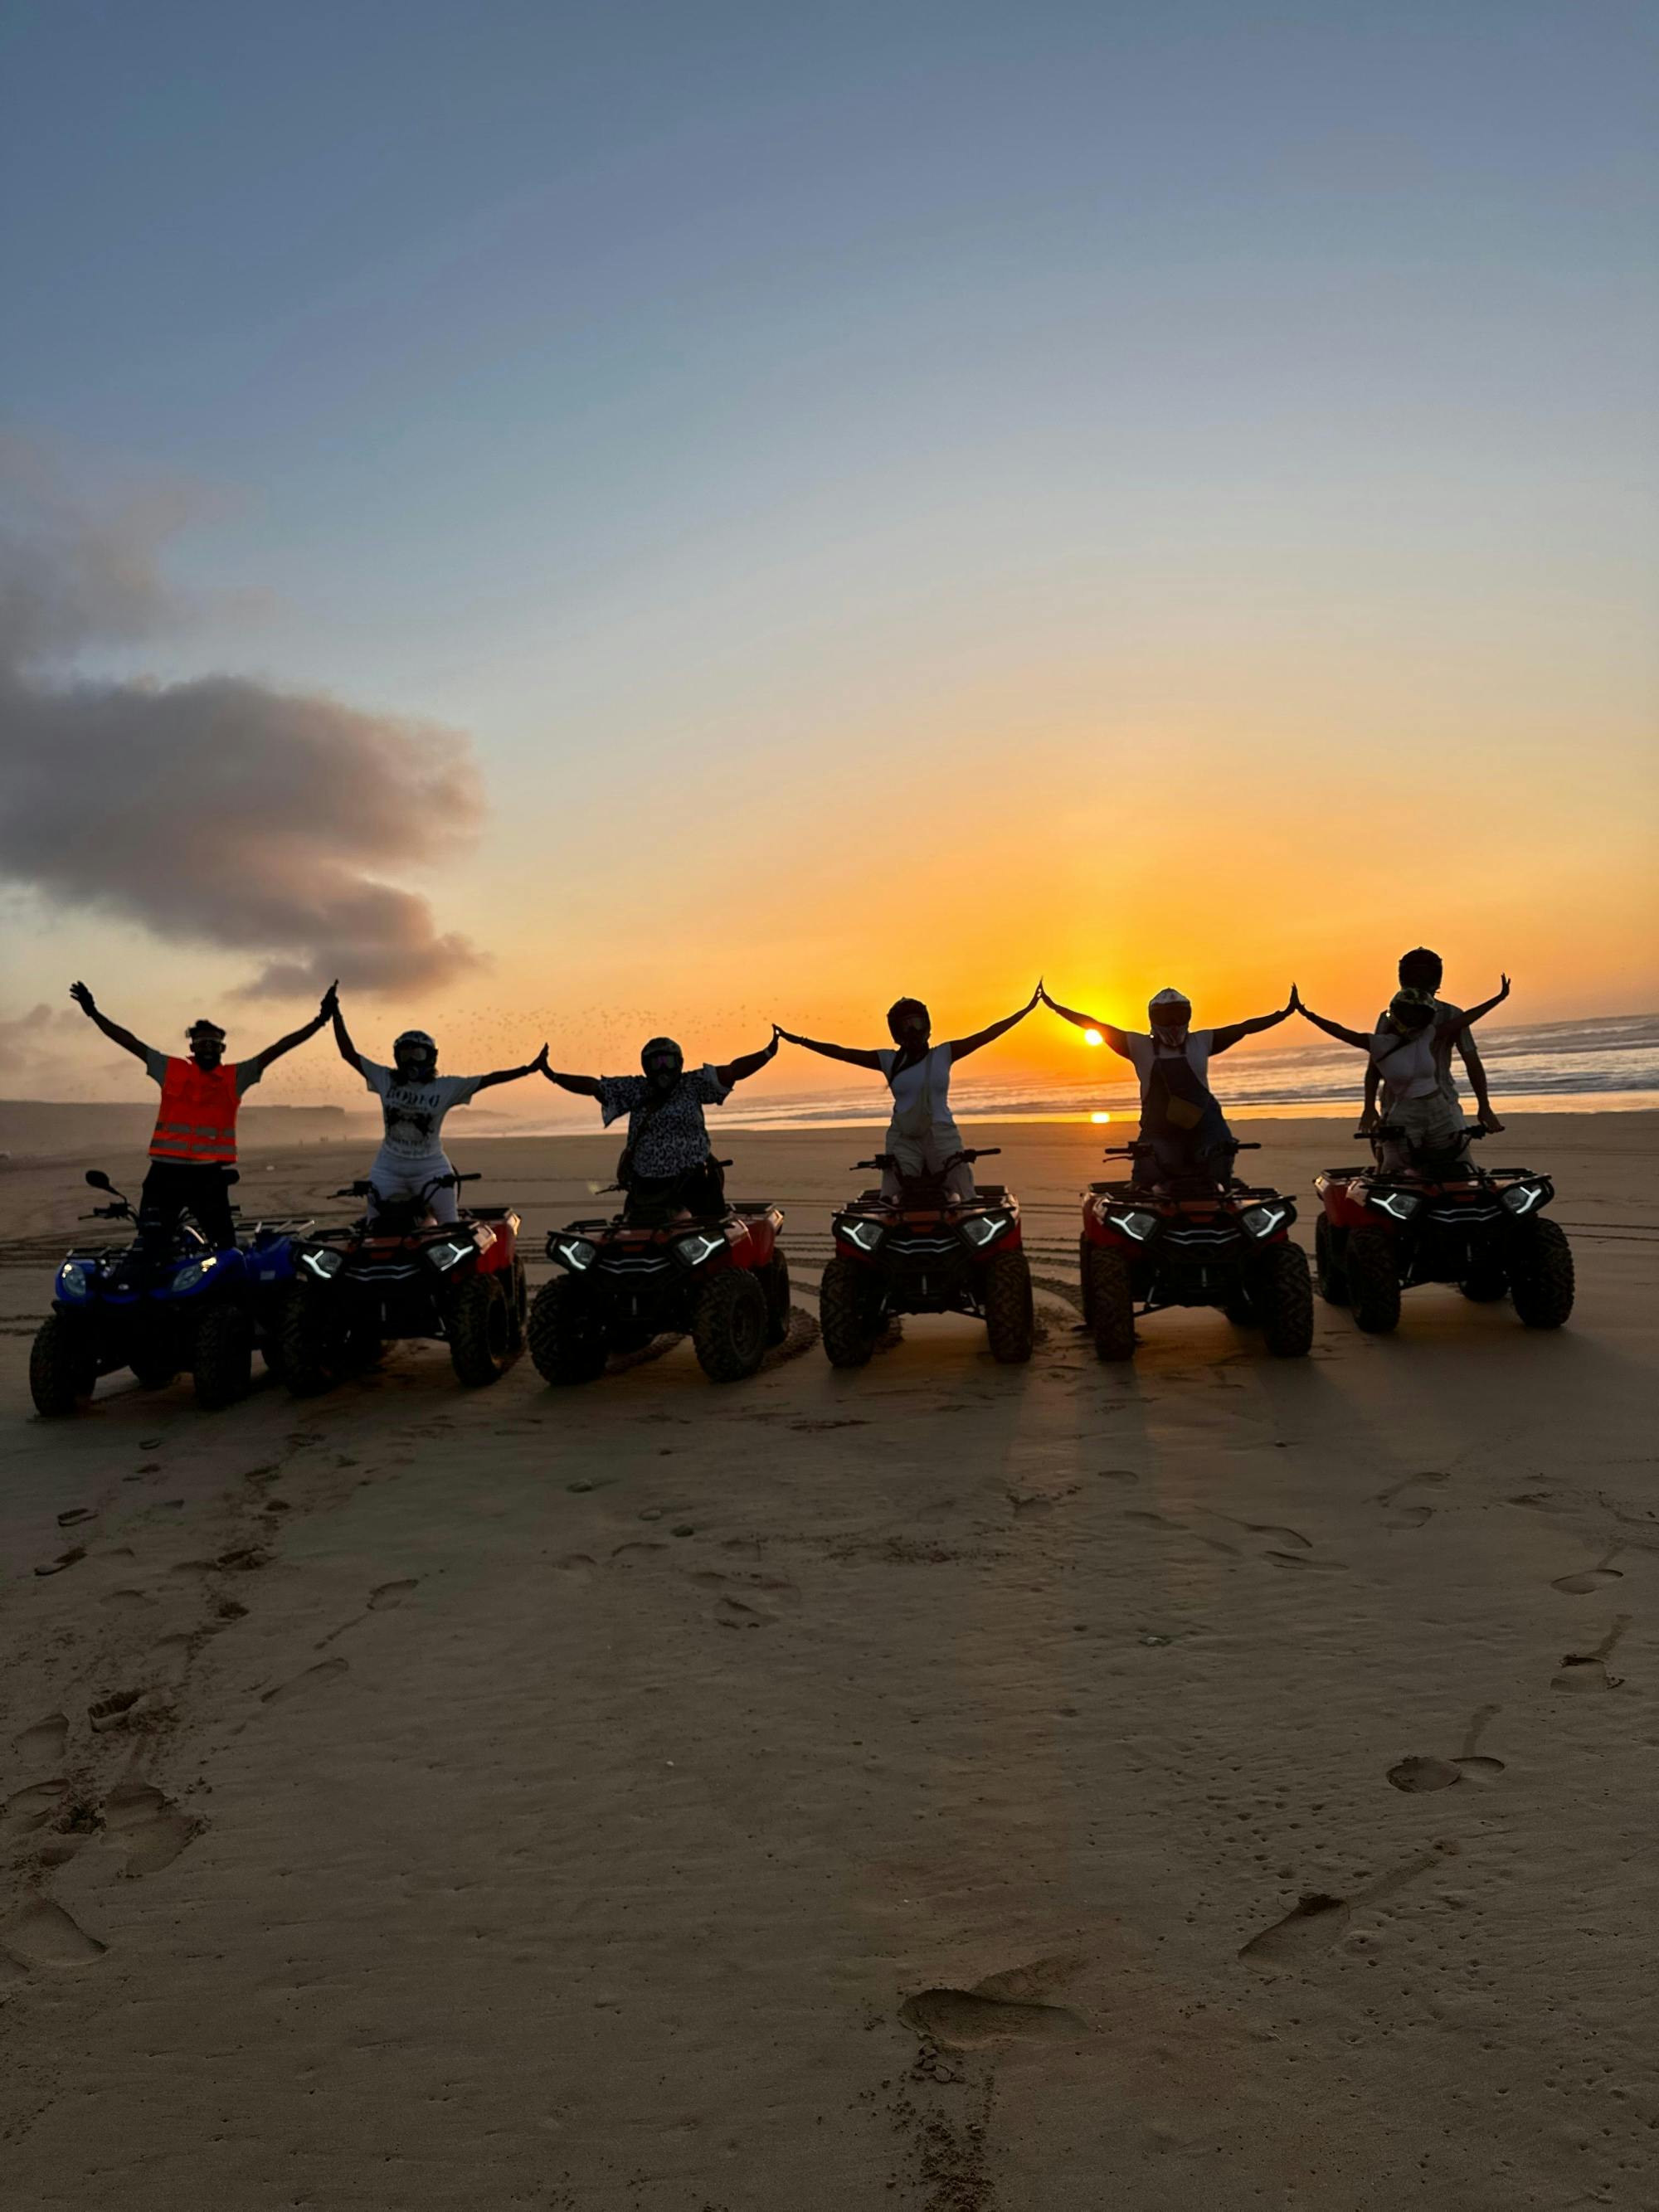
column 415, row 1111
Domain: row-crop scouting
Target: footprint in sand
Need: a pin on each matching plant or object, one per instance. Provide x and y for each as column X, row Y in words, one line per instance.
column 753, row 1600
column 1416, row 1774
column 1588, row 1670
column 1008, row 2008
column 1591, row 1578
column 41, row 1934
column 42, row 1740
column 387, row 1594
column 31, row 1807
column 1317, row 1918
column 70, row 1559
column 150, row 1826
column 313, row 1678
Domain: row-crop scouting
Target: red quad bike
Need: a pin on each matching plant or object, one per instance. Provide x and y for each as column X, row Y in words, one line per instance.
column 404, row 1275
column 1441, row 1220
column 925, row 1252
column 658, row 1269
column 1187, row 1239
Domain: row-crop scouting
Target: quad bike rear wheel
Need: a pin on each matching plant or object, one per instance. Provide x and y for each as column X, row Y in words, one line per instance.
column 478, row 1323
column 1111, row 1304
column 1541, row 1275
column 1373, row 1279
column 566, row 1344
column 1281, row 1294
column 1329, row 1271
column 774, row 1279
column 62, row 1366
column 729, row 1324
column 844, row 1315
column 1010, row 1312
column 1083, row 1276
column 221, row 1357
column 311, row 1362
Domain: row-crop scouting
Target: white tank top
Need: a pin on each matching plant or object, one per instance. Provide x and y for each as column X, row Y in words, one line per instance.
column 922, row 1092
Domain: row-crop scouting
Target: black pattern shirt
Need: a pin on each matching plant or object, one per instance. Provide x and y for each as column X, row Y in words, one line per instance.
column 673, row 1136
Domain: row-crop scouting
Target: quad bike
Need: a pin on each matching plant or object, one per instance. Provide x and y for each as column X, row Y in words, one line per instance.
column 397, row 1273
column 1190, row 1240
column 1441, row 1220
column 658, row 1269
column 923, row 1252
column 161, row 1309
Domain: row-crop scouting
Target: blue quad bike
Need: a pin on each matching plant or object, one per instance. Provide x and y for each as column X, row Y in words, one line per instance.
column 187, row 1308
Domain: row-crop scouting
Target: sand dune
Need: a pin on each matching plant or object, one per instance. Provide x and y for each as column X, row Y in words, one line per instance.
column 1221, row 1783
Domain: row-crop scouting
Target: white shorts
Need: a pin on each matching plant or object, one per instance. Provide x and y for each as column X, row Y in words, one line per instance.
column 926, row 1156
column 399, row 1178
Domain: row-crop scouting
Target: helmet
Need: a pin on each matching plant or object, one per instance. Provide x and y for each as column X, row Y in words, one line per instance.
column 415, row 1045
column 660, row 1048
column 1412, row 1011
column 897, row 1012
column 1169, row 1010
column 206, row 1028
column 1421, row 970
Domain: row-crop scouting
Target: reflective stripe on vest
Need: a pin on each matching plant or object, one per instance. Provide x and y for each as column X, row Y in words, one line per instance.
column 197, row 1120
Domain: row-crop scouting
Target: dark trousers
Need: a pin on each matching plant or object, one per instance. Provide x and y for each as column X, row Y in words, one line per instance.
column 699, row 1191
column 175, row 1187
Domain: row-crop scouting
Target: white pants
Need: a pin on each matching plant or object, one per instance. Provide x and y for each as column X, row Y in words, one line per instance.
column 926, row 1156
column 399, row 1178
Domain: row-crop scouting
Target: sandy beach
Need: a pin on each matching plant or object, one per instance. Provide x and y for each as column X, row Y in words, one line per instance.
column 1218, row 1784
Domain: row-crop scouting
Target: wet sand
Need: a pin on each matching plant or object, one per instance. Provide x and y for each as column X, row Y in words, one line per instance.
column 1220, row 1784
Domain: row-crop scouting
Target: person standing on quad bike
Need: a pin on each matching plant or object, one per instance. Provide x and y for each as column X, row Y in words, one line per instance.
column 667, row 1157
column 195, row 1139
column 1421, row 970
column 922, row 1135
column 1181, row 1119
column 1407, row 1049
column 415, row 1098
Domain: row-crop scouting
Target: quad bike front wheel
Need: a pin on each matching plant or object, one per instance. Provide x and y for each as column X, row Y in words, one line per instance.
column 1111, row 1304
column 1010, row 1312
column 221, row 1357
column 62, row 1366
column 565, row 1344
column 478, row 1323
column 843, row 1316
column 1541, row 1275
column 729, row 1324
column 1373, row 1276
column 1328, row 1272
column 310, row 1360
column 774, row 1281
column 1281, row 1297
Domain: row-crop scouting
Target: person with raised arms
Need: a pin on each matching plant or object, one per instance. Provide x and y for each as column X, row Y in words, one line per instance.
column 922, row 1135
column 414, row 1100
column 1408, row 1049
column 1181, row 1118
column 194, row 1143
column 667, row 1160
column 1422, row 971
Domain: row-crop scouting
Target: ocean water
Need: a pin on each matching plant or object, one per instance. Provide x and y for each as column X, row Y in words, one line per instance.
column 1606, row 1064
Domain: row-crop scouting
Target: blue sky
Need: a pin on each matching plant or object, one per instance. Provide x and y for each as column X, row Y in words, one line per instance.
column 722, row 412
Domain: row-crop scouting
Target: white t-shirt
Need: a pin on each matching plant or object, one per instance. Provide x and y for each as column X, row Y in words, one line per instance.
column 1444, row 1038
column 922, row 1092
column 1142, row 1051
column 415, row 1111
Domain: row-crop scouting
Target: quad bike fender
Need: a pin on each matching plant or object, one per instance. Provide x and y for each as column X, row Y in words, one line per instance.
column 1344, row 1210
column 497, row 1256
column 1098, row 1230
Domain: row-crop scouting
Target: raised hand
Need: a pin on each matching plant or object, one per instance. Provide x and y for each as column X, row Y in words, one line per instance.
column 83, row 999
column 1295, row 1006
column 539, row 1064
column 1503, row 991
column 331, row 1005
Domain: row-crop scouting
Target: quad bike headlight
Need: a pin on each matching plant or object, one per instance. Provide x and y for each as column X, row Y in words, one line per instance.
column 982, row 1229
column 573, row 1252
column 323, row 1264
column 1399, row 1205
column 697, row 1247
column 1521, row 1197
column 72, row 1281
column 1262, row 1220
column 448, row 1255
column 865, row 1236
column 1135, row 1222
column 192, row 1277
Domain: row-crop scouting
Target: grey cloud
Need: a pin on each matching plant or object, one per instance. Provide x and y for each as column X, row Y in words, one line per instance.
column 220, row 811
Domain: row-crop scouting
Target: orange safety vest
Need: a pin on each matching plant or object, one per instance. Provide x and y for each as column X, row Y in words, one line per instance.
column 196, row 1124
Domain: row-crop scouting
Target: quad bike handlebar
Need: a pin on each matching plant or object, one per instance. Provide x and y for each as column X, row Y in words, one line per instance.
column 449, row 1182
column 1393, row 1133
column 956, row 1160
column 1128, row 1151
